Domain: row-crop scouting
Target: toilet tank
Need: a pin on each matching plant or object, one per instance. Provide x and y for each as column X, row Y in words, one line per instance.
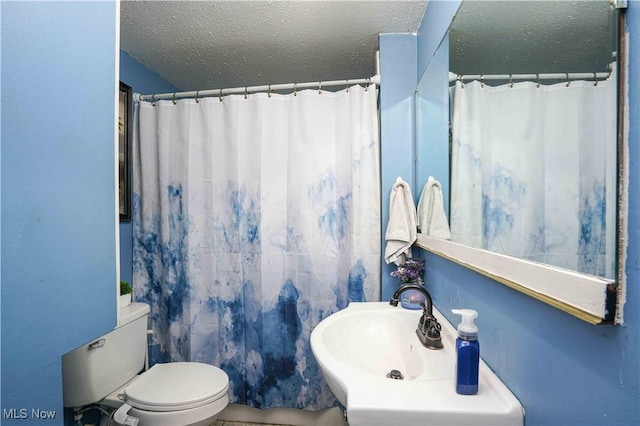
column 94, row 370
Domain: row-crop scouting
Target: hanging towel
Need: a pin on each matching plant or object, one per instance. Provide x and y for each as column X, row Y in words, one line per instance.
column 401, row 229
column 432, row 220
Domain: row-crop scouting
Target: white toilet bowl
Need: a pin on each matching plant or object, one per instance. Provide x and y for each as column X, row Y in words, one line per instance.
column 174, row 394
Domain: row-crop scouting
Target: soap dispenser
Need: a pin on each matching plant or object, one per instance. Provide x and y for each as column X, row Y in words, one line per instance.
column 467, row 353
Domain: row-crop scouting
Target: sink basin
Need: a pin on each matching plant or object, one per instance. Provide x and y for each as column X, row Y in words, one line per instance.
column 359, row 346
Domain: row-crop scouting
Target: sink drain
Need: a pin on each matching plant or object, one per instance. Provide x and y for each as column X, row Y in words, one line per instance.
column 395, row 375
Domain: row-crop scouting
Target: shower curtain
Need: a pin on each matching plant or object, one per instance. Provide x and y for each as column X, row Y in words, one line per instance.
column 255, row 217
column 534, row 172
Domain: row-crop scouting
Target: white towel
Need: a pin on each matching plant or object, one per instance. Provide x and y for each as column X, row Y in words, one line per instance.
column 401, row 229
column 432, row 220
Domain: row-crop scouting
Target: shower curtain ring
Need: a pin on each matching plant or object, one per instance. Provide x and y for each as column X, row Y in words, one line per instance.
column 595, row 79
column 347, row 86
column 295, row 89
column 538, row 79
column 269, row 92
column 482, row 81
column 461, row 81
column 220, row 96
column 319, row 88
column 197, row 100
column 173, row 98
column 153, row 99
column 245, row 92
column 568, row 82
column 511, row 81
column 368, row 80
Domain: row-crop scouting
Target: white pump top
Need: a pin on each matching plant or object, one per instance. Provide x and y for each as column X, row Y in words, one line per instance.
column 467, row 328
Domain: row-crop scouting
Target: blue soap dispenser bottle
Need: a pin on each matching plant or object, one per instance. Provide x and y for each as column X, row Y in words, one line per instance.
column 467, row 353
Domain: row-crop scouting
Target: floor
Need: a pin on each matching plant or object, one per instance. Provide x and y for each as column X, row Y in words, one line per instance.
column 242, row 415
column 235, row 423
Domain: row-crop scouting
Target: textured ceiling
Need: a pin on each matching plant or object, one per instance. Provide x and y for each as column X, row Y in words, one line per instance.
column 218, row 44
column 511, row 37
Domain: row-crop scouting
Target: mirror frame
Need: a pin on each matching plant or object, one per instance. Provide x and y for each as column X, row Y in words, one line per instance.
column 580, row 295
column 584, row 296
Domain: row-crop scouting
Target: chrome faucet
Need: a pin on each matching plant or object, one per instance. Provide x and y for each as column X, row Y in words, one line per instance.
column 428, row 330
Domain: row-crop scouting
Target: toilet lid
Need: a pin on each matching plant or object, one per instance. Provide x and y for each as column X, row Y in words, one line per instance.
column 177, row 386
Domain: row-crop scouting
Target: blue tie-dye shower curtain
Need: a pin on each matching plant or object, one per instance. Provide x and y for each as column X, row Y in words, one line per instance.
column 254, row 219
column 534, row 172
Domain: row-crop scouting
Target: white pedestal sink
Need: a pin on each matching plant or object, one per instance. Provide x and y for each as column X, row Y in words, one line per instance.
column 357, row 347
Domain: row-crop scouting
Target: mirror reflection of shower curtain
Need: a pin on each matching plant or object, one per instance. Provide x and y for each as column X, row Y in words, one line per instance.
column 534, row 172
column 254, row 219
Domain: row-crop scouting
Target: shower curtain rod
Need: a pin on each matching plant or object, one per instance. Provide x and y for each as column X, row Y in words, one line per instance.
column 253, row 89
column 566, row 76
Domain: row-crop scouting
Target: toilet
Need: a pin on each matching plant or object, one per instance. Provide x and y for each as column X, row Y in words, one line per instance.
column 106, row 372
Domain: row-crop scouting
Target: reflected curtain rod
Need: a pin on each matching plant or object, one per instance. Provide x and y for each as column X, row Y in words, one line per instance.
column 253, row 89
column 532, row 77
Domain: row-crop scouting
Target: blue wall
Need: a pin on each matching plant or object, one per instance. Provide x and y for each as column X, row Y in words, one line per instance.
column 433, row 96
column 401, row 68
column 563, row 370
column 58, row 193
column 432, row 123
column 435, row 23
column 397, row 135
column 143, row 81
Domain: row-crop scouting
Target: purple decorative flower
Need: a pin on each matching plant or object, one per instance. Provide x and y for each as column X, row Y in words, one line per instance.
column 410, row 272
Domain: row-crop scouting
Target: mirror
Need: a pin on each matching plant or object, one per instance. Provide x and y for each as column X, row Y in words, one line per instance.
column 531, row 145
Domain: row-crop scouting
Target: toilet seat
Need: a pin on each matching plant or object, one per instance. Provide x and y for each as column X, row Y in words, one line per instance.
column 177, row 386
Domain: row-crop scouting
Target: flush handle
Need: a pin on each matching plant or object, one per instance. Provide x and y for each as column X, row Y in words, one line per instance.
column 97, row 344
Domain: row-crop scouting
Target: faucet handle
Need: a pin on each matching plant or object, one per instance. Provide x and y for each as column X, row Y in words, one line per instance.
column 429, row 330
column 429, row 322
column 434, row 328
